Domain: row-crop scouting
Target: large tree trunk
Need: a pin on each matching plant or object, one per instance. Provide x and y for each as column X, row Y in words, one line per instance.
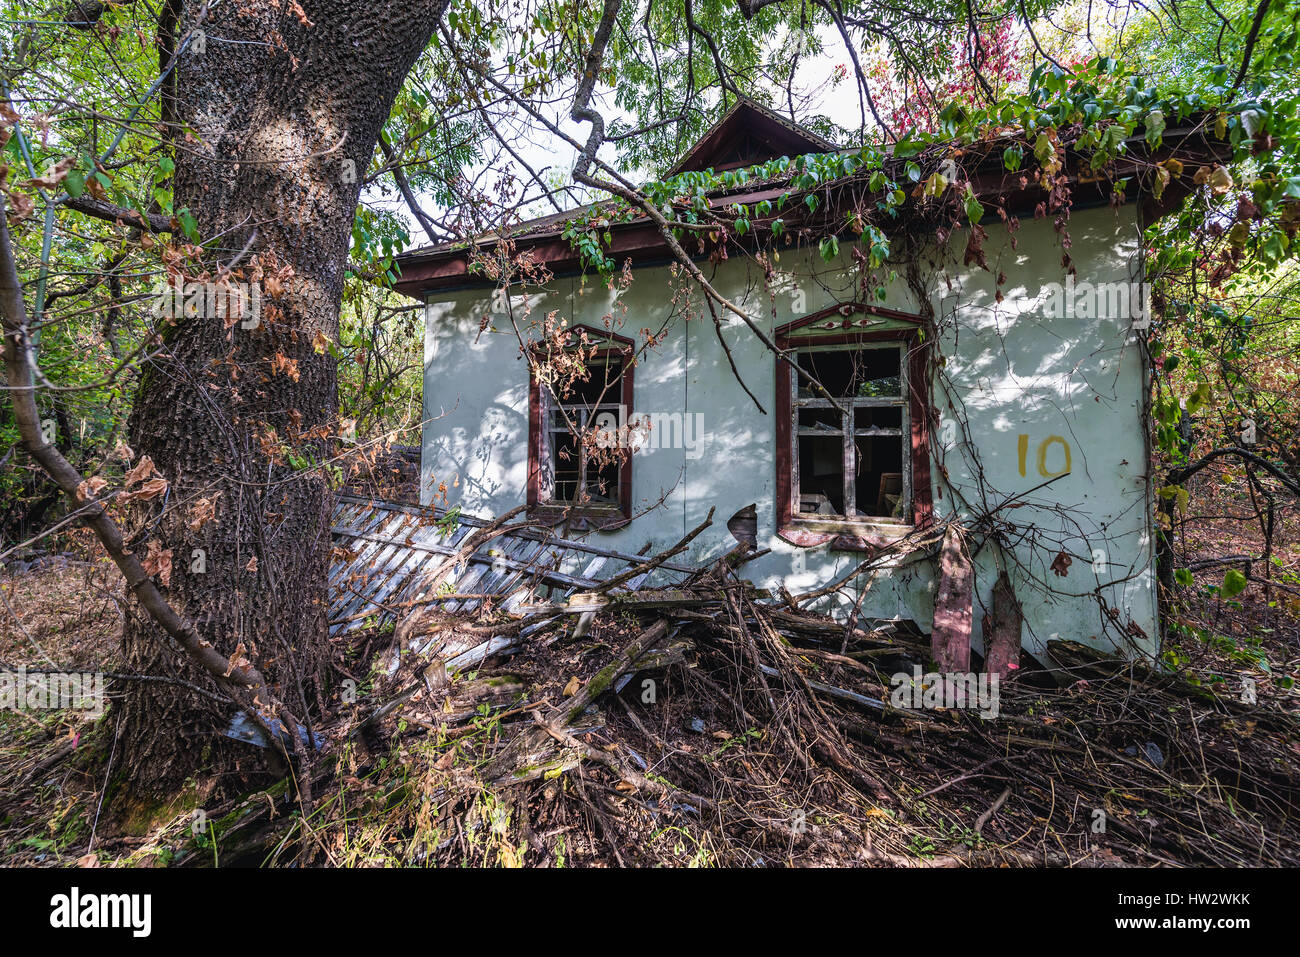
column 286, row 104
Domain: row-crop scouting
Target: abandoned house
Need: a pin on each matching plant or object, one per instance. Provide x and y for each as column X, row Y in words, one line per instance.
column 997, row 382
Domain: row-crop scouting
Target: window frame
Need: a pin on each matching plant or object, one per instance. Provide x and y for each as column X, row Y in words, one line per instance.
column 541, row 402
column 845, row 327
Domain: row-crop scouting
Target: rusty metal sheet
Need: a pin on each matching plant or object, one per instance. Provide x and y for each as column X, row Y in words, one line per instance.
column 386, row 553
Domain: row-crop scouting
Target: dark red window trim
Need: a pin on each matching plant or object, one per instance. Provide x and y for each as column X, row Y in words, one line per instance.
column 850, row 539
column 580, row 517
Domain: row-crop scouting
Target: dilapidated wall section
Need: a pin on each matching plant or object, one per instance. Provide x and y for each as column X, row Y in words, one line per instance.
column 1012, row 376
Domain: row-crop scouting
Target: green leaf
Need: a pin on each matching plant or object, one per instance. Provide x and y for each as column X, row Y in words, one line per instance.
column 1234, row 583
column 189, row 225
column 1183, row 576
column 1044, row 149
column 907, row 147
column 1198, row 399
column 1155, row 124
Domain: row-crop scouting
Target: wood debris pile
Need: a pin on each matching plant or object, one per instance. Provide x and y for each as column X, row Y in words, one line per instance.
column 704, row 722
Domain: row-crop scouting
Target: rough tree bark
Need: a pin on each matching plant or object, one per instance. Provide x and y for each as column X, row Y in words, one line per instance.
column 285, row 104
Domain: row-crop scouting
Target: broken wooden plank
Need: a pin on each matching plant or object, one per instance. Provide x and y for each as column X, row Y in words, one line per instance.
column 580, row 603
column 602, row 680
column 954, row 605
column 1002, row 639
column 841, row 693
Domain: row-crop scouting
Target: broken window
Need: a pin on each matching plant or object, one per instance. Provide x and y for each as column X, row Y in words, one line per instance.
column 850, row 459
column 584, row 455
column 578, row 455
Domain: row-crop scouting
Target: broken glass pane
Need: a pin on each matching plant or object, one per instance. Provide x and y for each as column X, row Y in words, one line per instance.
column 877, row 419
column 821, row 420
column 878, row 482
column 852, row 373
column 821, row 475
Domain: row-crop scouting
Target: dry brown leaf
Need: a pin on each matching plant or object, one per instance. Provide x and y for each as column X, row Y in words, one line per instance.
column 572, row 687
column 55, row 175
column 202, row 512
column 158, row 561
column 1220, row 181
column 90, row 488
column 21, row 206
column 143, row 469
column 281, row 363
column 150, row 489
column 252, row 565
column 239, row 659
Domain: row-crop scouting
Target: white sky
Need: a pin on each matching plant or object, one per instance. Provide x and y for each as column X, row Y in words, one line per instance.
column 549, row 155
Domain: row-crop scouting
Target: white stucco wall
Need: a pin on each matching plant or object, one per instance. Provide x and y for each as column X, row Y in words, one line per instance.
column 1010, row 370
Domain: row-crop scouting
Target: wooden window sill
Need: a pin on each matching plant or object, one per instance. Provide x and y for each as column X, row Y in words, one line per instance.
column 845, row 536
column 579, row 518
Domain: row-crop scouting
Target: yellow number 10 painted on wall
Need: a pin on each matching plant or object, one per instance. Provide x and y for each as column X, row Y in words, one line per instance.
column 1043, row 446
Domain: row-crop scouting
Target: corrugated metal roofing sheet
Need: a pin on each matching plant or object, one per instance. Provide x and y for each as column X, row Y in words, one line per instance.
column 390, row 558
